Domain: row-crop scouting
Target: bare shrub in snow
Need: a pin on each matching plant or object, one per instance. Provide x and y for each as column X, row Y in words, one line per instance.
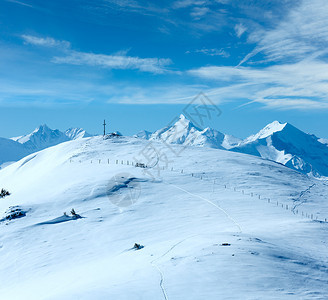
column 4, row 193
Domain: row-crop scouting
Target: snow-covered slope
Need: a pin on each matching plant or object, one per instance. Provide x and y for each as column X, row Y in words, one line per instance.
column 290, row 146
column 143, row 134
column 181, row 219
column 76, row 133
column 41, row 138
column 11, row 151
column 323, row 141
column 184, row 132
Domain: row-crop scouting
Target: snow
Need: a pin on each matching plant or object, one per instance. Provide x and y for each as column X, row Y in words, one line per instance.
column 184, row 132
column 267, row 131
column 280, row 142
column 41, row 138
column 143, row 134
column 230, row 141
column 323, row 141
column 290, row 146
column 181, row 219
column 76, row 133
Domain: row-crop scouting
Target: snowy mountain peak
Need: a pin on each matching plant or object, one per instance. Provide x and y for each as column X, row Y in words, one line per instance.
column 182, row 117
column 42, row 137
column 286, row 144
column 143, row 134
column 42, row 128
column 184, row 132
column 186, row 123
column 76, row 133
column 268, row 130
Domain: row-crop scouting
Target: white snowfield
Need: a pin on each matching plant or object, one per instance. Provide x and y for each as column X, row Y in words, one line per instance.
column 181, row 217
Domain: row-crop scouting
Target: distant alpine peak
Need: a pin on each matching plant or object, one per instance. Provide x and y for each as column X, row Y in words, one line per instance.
column 76, row 133
column 267, row 131
column 184, row 121
column 43, row 128
column 183, row 117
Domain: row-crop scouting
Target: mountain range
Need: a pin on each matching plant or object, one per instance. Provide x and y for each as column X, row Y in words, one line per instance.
column 42, row 137
column 279, row 142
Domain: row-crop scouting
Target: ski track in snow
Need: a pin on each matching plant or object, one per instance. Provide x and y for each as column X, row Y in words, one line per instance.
column 161, row 283
column 175, row 245
column 161, row 280
column 210, row 202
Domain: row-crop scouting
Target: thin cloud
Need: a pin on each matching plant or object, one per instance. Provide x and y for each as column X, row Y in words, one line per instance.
column 211, row 52
column 45, row 42
column 20, row 3
column 301, row 85
column 187, row 3
column 118, row 60
column 298, row 47
column 240, row 29
column 152, row 65
column 303, row 31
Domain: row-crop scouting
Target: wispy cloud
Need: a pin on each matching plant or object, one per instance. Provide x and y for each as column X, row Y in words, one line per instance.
column 153, row 65
column 118, row 60
column 20, row 3
column 303, row 31
column 294, row 54
column 301, row 85
column 187, row 3
column 128, row 6
column 211, row 52
column 45, row 42
column 240, row 29
column 198, row 12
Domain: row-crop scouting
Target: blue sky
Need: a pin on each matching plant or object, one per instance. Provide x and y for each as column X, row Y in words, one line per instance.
column 139, row 63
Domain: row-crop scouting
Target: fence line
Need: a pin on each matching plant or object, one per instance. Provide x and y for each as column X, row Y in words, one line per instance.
column 202, row 176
